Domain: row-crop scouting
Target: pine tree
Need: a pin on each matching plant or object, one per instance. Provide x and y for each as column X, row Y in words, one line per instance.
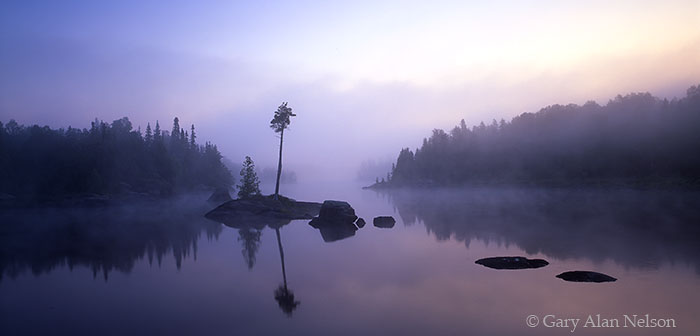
column 250, row 185
column 192, row 137
column 176, row 129
column 279, row 123
column 157, row 136
column 149, row 134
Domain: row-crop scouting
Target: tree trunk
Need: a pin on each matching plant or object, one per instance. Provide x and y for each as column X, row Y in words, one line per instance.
column 279, row 167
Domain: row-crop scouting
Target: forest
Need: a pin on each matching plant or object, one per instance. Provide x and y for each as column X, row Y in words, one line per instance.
column 107, row 159
column 635, row 139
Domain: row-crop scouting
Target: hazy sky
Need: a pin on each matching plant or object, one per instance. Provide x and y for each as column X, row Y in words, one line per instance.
column 365, row 78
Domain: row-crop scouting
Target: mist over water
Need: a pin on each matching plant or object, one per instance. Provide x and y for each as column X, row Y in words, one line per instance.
column 165, row 269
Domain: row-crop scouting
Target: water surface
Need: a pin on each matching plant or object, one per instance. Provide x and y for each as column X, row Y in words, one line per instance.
column 160, row 268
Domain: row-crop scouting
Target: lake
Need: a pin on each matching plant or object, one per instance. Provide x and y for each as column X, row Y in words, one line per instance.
column 159, row 267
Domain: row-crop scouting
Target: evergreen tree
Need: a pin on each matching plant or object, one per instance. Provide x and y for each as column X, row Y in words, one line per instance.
column 279, row 123
column 250, row 185
column 192, row 138
column 176, row 130
column 149, row 134
column 157, row 136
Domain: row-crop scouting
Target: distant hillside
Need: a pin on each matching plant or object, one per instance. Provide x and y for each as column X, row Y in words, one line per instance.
column 635, row 139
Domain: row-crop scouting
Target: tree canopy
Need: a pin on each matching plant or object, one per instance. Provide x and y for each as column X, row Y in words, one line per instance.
column 633, row 139
column 114, row 158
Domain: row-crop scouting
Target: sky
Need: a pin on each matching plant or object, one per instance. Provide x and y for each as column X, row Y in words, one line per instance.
column 365, row 78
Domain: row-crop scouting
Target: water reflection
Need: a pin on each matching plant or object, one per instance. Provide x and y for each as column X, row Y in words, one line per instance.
column 249, row 233
column 103, row 239
column 283, row 295
column 250, row 237
column 634, row 228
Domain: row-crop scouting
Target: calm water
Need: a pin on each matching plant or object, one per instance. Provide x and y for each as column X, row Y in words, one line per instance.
column 160, row 268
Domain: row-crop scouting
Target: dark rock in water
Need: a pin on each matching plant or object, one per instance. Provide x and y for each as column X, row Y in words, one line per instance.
column 337, row 211
column 259, row 211
column 585, row 276
column 511, row 263
column 219, row 196
column 360, row 222
column 385, row 222
column 335, row 221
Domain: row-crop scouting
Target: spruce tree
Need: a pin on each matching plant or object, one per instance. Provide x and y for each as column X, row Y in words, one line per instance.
column 192, row 138
column 157, row 134
column 250, row 185
column 149, row 134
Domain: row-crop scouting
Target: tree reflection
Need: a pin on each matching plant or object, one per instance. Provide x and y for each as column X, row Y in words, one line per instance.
column 251, row 243
column 638, row 228
column 283, row 295
column 103, row 239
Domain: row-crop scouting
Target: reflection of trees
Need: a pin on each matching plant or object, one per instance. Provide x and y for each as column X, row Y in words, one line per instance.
column 284, row 296
column 103, row 239
column 634, row 228
column 251, row 243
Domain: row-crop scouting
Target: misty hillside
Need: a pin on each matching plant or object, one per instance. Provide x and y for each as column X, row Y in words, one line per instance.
column 43, row 163
column 636, row 139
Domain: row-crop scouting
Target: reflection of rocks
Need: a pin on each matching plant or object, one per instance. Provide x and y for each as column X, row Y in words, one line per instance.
column 385, row 222
column 259, row 211
column 220, row 195
column 360, row 223
column 331, row 233
column 511, row 263
column 335, row 221
column 585, row 276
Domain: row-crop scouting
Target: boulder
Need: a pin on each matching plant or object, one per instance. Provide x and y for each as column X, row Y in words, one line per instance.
column 360, row 222
column 385, row 222
column 337, row 211
column 585, row 276
column 511, row 263
column 335, row 221
column 220, row 195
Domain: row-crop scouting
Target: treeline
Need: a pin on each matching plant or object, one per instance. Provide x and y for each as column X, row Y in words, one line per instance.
column 635, row 139
column 40, row 162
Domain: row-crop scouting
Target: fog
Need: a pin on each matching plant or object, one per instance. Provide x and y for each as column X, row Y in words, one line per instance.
column 364, row 84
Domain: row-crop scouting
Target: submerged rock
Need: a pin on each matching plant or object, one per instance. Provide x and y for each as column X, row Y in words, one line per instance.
column 258, row 211
column 512, row 263
column 360, row 222
column 220, row 195
column 585, row 276
column 385, row 222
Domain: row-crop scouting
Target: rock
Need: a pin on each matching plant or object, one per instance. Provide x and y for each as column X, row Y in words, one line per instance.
column 385, row 222
column 360, row 222
column 335, row 221
column 585, row 276
column 511, row 263
column 220, row 195
column 258, row 211
column 337, row 211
